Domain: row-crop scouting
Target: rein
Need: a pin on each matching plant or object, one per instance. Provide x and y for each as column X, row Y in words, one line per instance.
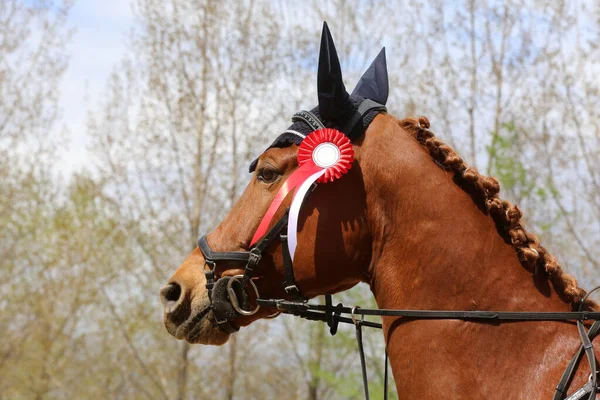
column 332, row 316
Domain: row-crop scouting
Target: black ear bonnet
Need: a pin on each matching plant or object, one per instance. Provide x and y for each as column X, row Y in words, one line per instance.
column 349, row 113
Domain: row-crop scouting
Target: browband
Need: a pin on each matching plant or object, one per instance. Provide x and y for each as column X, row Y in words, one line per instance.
column 315, row 123
column 309, row 119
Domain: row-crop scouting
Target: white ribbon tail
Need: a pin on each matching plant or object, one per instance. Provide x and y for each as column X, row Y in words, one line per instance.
column 292, row 229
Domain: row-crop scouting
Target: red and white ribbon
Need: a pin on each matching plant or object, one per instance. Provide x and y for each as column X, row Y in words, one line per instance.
column 323, row 156
column 292, row 227
column 300, row 175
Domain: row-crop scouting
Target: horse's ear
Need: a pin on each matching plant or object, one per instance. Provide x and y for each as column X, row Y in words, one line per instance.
column 374, row 83
column 332, row 92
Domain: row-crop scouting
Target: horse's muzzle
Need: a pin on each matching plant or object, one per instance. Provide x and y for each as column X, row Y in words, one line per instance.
column 222, row 307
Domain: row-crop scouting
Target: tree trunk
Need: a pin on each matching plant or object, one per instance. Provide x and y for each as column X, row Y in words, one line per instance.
column 232, row 368
column 182, row 377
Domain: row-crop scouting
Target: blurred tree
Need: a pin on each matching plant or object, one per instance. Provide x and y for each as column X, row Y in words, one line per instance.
column 33, row 35
column 206, row 86
column 172, row 142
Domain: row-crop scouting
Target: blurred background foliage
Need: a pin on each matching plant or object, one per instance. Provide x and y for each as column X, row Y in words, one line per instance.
column 202, row 89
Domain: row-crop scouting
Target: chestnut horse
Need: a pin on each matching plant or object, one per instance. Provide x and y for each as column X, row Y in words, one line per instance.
column 424, row 231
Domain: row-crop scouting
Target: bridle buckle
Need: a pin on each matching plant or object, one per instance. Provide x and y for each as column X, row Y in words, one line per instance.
column 209, row 273
column 210, row 264
column 292, row 290
column 254, row 258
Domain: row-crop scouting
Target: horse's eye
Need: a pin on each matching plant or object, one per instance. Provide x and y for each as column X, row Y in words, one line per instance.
column 268, row 175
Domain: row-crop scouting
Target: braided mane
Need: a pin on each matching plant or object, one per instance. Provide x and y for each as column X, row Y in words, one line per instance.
column 484, row 191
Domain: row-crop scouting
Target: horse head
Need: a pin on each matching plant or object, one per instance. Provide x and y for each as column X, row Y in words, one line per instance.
column 334, row 245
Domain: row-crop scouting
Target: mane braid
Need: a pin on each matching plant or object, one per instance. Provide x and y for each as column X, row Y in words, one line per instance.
column 507, row 217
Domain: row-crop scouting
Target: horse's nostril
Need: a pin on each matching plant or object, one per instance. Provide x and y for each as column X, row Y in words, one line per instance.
column 169, row 295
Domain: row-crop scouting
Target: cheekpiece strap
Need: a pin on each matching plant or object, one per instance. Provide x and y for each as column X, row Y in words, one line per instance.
column 289, row 282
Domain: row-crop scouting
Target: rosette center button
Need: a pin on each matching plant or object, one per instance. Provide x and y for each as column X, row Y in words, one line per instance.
column 326, row 155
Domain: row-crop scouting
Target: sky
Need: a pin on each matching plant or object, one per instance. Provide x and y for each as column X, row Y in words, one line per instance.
column 98, row 44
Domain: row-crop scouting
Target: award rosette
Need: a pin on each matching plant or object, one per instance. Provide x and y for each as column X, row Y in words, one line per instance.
column 328, row 149
column 323, row 156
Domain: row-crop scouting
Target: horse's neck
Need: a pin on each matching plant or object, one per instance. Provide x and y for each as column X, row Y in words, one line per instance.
column 432, row 246
column 434, row 249
column 444, row 256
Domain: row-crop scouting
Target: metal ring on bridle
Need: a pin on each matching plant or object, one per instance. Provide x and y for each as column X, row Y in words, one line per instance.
column 354, row 317
column 233, row 297
column 209, row 265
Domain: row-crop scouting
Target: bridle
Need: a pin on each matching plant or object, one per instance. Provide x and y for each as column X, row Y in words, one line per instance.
column 252, row 257
column 332, row 315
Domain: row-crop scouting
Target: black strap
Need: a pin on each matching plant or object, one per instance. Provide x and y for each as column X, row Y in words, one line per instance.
column 289, row 282
column 567, row 376
column 308, row 118
column 243, row 256
column 442, row 314
column 273, row 233
column 209, row 254
column 331, row 315
column 588, row 388
column 361, row 351
column 255, row 253
column 364, row 107
column 315, row 123
column 484, row 315
column 368, row 105
column 588, row 348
